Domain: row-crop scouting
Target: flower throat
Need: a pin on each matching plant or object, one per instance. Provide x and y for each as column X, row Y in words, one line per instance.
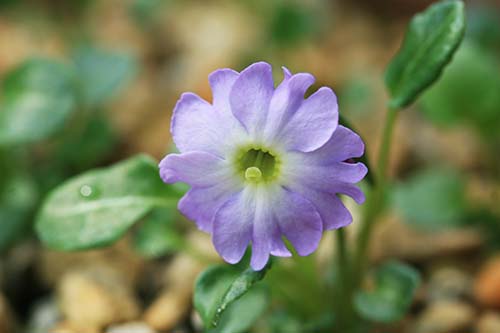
column 257, row 165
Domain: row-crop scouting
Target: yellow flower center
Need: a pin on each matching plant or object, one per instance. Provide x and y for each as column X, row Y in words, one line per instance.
column 257, row 164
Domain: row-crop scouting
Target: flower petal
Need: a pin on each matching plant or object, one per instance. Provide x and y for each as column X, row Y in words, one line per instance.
column 266, row 237
column 232, row 226
column 351, row 190
column 333, row 212
column 200, row 204
column 250, row 96
column 197, row 126
column 299, row 221
column 320, row 184
column 312, row 125
column 286, row 100
column 343, row 145
column 195, row 168
column 286, row 73
column 249, row 216
column 221, row 81
column 300, row 169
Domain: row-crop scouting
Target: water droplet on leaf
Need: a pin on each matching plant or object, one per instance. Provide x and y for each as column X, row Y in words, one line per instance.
column 87, row 191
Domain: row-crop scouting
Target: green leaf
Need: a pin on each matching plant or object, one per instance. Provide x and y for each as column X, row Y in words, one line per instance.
column 220, row 288
column 467, row 92
column 38, row 98
column 245, row 311
column 99, row 206
column 82, row 150
column 146, row 12
column 102, row 73
column 483, row 25
column 429, row 44
column 18, row 197
column 432, row 199
column 293, row 22
column 395, row 286
column 158, row 236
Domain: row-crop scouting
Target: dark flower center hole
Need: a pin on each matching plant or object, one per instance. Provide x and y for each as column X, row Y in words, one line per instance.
column 259, row 159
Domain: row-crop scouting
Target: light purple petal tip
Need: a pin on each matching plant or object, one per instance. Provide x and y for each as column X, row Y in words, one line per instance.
column 232, row 228
column 194, row 168
column 344, row 144
column 221, row 81
column 286, row 73
column 194, row 125
column 300, row 222
column 251, row 94
column 312, row 125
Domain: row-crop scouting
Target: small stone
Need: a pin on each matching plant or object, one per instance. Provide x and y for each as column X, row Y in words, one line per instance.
column 2, row 273
column 489, row 323
column 6, row 319
column 66, row 327
column 449, row 283
column 445, row 317
column 120, row 257
column 395, row 239
column 93, row 298
column 175, row 300
column 487, row 283
column 133, row 327
column 44, row 316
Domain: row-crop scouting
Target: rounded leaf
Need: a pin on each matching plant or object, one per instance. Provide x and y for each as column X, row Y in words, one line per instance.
column 38, row 97
column 102, row 73
column 97, row 207
column 432, row 199
column 395, row 286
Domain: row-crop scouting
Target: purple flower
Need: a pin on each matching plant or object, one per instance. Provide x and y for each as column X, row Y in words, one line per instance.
column 263, row 163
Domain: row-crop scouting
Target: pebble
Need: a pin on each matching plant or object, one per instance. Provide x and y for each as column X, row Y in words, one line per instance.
column 120, row 257
column 174, row 302
column 449, row 283
column 487, row 283
column 397, row 240
column 489, row 323
column 44, row 316
column 133, row 327
column 445, row 317
column 6, row 320
column 95, row 297
column 2, row 273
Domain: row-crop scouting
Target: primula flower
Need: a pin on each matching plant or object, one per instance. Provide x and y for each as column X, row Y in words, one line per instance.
column 263, row 163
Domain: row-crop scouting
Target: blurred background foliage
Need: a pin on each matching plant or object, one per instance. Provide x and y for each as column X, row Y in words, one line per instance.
column 87, row 83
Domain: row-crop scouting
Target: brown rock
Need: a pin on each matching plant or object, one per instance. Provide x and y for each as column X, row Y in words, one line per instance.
column 119, row 257
column 487, row 283
column 174, row 302
column 459, row 146
column 65, row 327
column 489, row 323
column 445, row 317
column 95, row 297
column 449, row 283
column 134, row 327
column 45, row 315
column 394, row 239
column 6, row 319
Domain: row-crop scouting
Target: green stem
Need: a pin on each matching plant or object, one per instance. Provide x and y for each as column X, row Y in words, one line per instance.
column 343, row 309
column 375, row 202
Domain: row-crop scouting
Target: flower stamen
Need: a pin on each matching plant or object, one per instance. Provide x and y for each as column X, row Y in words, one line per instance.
column 256, row 164
column 253, row 174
